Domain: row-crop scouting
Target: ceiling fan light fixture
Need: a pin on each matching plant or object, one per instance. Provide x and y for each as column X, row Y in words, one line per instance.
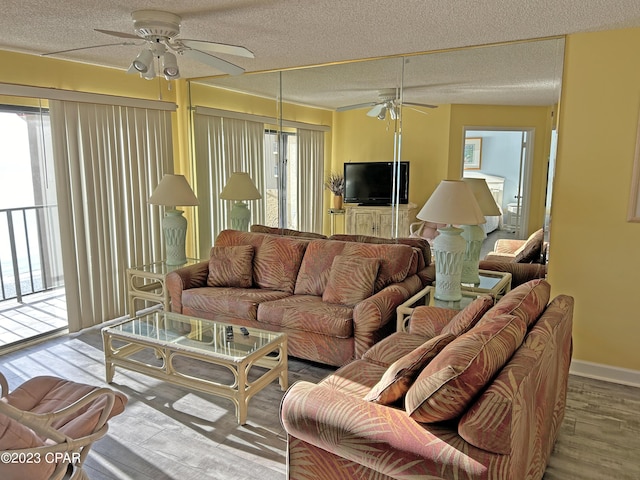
column 383, row 113
column 170, row 66
column 149, row 74
column 143, row 62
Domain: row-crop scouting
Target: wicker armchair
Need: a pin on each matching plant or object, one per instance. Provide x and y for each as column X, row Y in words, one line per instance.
column 48, row 424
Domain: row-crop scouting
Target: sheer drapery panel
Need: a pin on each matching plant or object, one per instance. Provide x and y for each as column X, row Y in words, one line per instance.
column 223, row 146
column 310, row 180
column 108, row 159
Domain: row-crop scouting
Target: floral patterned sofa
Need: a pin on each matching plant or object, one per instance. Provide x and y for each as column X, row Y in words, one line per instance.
column 477, row 394
column 333, row 298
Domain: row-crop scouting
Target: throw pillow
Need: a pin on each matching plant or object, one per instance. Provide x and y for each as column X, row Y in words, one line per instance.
column 450, row 382
column 396, row 381
column 231, row 266
column 351, row 280
column 469, row 316
column 532, row 248
column 526, row 301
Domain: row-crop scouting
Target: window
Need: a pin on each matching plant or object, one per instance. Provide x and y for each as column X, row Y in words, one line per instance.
column 30, row 258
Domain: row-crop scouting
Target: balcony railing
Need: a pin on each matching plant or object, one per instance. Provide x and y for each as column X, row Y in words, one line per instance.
column 29, row 251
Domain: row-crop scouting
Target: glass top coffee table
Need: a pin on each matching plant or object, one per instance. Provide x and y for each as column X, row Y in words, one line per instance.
column 164, row 345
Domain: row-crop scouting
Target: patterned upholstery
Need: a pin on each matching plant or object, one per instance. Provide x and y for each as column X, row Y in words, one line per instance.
column 284, row 231
column 290, row 275
column 351, row 280
column 275, row 263
column 518, row 251
column 395, row 263
column 468, row 316
column 502, row 406
column 308, row 313
column 231, row 267
column 392, row 348
column 356, row 378
column 507, row 432
column 397, row 379
column 429, row 321
column 419, row 243
column 520, row 272
column 447, row 385
column 243, row 302
column 526, row 302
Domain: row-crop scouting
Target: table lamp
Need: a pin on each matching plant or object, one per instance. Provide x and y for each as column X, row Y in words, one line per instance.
column 240, row 187
column 172, row 191
column 474, row 234
column 452, row 203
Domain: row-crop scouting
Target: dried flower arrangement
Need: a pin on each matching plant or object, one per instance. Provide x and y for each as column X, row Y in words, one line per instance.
column 335, row 183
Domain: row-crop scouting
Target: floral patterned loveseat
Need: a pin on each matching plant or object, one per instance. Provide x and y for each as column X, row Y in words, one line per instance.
column 333, row 298
column 477, row 394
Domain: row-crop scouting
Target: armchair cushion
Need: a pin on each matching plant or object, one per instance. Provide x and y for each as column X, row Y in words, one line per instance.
column 396, row 381
column 231, row 266
column 469, row 316
column 43, row 413
column 531, row 250
column 448, row 384
column 526, row 301
column 15, row 436
column 351, row 280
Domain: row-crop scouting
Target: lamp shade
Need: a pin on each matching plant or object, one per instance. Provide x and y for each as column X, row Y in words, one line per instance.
column 452, row 202
column 483, row 196
column 173, row 190
column 240, row 187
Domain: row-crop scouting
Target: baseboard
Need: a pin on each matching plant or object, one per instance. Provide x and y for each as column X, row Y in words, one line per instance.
column 623, row 376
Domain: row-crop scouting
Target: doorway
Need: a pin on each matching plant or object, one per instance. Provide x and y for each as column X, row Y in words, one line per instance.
column 503, row 158
column 32, row 297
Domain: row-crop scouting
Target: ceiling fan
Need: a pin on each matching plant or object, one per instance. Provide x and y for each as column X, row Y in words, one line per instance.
column 388, row 102
column 159, row 31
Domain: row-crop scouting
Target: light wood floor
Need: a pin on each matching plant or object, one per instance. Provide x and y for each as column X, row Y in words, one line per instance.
column 169, row 433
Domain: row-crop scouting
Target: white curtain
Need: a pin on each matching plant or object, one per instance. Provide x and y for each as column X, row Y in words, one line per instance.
column 223, row 146
column 108, row 159
column 310, row 179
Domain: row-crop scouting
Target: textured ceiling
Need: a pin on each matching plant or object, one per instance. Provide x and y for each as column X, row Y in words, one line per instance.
column 284, row 34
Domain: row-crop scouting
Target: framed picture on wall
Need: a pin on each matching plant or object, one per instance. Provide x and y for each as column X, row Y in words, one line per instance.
column 472, row 153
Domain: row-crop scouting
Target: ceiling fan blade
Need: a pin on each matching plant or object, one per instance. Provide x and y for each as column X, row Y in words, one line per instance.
column 420, row 105
column 117, row 34
column 375, row 111
column 216, row 47
column 212, row 61
column 86, row 48
column 354, row 107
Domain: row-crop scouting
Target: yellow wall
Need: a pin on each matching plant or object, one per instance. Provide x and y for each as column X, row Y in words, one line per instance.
column 595, row 252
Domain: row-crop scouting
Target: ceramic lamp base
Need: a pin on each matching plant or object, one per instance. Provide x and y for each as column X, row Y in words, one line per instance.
column 449, row 248
column 174, row 226
column 474, row 236
column 240, row 216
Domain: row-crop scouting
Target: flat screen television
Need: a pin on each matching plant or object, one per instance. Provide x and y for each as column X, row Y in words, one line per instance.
column 371, row 183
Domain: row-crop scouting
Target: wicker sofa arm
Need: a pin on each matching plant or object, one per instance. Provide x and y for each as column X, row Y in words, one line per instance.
column 192, row 276
column 381, row 438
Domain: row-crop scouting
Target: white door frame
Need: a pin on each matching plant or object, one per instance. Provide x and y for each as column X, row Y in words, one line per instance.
column 526, row 168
